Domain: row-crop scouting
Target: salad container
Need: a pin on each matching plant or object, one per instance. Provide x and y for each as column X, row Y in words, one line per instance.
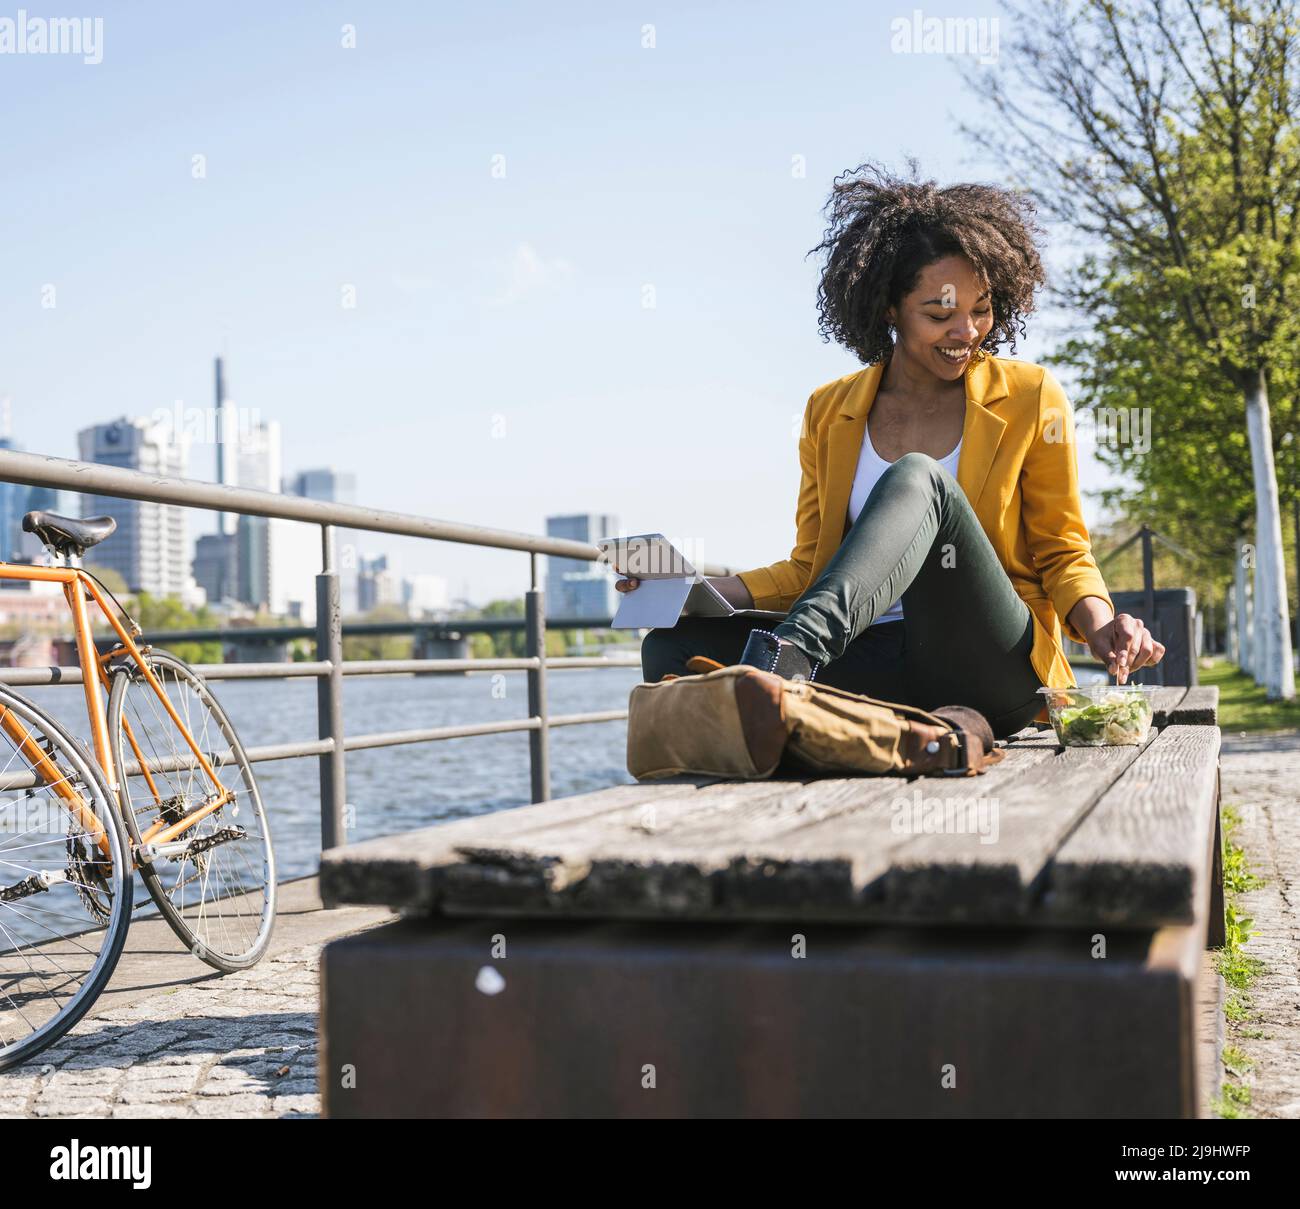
column 1100, row 715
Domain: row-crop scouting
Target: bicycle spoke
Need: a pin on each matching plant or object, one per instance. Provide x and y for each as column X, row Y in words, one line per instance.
column 219, row 899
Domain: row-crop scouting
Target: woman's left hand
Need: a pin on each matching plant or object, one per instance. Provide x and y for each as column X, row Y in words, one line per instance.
column 1124, row 644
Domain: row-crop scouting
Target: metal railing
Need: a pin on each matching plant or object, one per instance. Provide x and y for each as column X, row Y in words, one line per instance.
column 329, row 667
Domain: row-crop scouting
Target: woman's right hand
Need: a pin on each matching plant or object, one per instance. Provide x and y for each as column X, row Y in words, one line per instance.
column 626, row 585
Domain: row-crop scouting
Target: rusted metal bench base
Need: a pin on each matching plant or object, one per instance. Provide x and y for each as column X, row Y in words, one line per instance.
column 625, row 1019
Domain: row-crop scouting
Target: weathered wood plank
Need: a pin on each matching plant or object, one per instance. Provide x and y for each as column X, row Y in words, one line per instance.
column 993, row 870
column 1163, row 703
column 835, row 869
column 594, row 849
column 1142, row 854
column 1200, row 707
column 731, row 851
column 641, row 857
column 395, row 870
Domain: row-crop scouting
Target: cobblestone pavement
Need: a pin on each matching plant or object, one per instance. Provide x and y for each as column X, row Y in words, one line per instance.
column 1261, row 778
column 243, row 1045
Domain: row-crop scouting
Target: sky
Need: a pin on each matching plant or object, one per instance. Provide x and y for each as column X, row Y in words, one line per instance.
column 500, row 260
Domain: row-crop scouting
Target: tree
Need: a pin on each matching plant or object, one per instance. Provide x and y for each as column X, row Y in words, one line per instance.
column 1165, row 134
column 1193, row 484
column 157, row 614
column 111, row 578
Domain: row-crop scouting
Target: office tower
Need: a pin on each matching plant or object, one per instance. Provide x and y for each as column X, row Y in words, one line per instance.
column 235, row 562
column 216, row 566
column 575, row 588
column 377, row 584
column 326, row 483
column 293, row 562
column 14, row 499
column 336, row 487
column 226, row 521
column 149, row 547
column 255, row 452
column 257, row 457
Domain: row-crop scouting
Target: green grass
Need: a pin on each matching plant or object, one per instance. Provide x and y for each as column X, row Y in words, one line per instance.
column 1237, row 877
column 1237, row 1008
column 1237, row 1060
column 1233, row 1102
column 1238, row 970
column 1243, row 704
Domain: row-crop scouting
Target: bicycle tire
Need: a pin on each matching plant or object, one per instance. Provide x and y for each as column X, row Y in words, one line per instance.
column 74, row 753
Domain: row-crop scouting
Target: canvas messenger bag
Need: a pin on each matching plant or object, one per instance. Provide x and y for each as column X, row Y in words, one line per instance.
column 740, row 721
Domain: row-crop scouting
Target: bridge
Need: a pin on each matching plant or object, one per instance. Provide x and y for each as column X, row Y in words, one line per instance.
column 433, row 640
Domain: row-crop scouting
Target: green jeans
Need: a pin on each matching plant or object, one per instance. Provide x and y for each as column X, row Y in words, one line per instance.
column 965, row 636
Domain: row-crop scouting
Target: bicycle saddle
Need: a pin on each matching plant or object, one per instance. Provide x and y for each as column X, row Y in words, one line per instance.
column 66, row 534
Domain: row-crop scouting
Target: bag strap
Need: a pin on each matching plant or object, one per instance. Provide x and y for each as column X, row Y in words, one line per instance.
column 908, row 711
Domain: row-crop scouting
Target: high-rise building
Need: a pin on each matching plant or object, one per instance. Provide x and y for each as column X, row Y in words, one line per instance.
column 13, row 497
column 226, row 521
column 326, row 483
column 292, row 567
column 574, row 587
column 149, row 548
column 216, row 566
column 234, row 563
column 377, row 584
column 14, row 503
column 256, row 462
column 337, row 487
column 17, row 499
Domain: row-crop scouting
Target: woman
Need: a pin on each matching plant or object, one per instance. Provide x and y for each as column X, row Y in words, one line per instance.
column 940, row 540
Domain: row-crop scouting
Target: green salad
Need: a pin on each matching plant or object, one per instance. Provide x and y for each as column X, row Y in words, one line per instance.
column 1121, row 719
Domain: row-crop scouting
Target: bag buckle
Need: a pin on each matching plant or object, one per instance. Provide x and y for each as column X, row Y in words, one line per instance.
column 964, row 767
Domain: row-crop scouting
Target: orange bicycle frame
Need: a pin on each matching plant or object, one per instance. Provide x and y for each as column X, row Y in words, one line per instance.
column 76, row 585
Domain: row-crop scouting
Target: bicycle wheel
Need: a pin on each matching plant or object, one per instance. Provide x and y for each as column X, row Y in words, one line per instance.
column 65, row 881
column 215, row 882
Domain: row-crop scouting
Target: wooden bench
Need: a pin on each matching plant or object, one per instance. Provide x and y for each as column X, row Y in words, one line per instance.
column 1024, row 943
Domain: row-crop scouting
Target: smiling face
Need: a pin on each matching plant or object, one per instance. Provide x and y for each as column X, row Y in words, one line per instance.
column 942, row 321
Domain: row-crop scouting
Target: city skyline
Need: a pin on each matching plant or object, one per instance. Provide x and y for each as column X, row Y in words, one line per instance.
column 245, row 563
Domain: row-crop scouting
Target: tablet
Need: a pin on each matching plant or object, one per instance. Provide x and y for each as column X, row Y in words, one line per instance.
column 670, row 587
column 645, row 556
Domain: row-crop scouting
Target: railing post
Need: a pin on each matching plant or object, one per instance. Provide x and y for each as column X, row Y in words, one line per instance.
column 329, row 697
column 539, row 740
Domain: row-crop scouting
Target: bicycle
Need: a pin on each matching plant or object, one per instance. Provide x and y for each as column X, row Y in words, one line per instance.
column 79, row 821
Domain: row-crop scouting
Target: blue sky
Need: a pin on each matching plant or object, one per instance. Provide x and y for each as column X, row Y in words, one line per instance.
column 499, row 363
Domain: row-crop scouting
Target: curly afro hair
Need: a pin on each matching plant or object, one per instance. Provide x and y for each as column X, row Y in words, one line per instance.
column 883, row 231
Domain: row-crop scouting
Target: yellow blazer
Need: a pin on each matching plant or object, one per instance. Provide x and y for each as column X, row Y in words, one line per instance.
column 1018, row 467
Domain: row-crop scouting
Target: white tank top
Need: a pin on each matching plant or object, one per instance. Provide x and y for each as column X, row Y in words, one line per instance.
column 870, row 467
